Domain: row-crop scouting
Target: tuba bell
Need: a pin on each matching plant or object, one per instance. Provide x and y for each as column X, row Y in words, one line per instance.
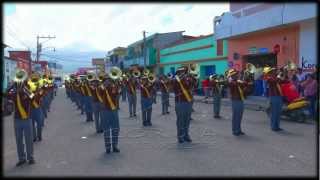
column 151, row 78
column 115, row 73
column 20, row 76
column 146, row 72
column 90, row 76
column 193, row 69
column 136, row 73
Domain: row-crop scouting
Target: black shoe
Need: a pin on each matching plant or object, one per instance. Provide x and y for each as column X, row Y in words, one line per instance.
column 242, row 133
column 187, row 139
column 180, row 141
column 39, row 138
column 21, row 162
column 108, row 151
column 217, row 117
column 236, row 134
column 134, row 115
column 115, row 149
column 277, row 129
column 34, row 139
column 130, row 115
column 31, row 161
column 168, row 112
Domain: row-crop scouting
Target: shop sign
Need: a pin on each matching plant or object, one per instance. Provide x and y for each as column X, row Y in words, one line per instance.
column 263, row 50
column 253, row 50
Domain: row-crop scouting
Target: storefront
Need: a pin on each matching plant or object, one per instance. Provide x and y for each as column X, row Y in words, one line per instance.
column 273, row 47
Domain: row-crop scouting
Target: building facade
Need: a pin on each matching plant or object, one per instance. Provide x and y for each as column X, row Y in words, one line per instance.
column 116, row 57
column 8, row 72
column 269, row 34
column 206, row 51
column 23, row 59
column 153, row 43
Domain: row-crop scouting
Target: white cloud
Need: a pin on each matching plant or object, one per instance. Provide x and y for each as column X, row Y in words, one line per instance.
column 105, row 26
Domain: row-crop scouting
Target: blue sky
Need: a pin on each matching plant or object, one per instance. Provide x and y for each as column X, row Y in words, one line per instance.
column 102, row 27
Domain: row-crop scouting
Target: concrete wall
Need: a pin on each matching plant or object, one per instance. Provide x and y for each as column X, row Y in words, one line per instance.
column 275, row 15
column 308, row 44
column 287, row 38
column 8, row 72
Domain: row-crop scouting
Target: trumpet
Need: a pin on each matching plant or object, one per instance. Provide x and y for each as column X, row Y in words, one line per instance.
column 250, row 69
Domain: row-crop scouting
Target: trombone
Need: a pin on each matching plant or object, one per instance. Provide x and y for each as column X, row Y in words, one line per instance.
column 136, row 73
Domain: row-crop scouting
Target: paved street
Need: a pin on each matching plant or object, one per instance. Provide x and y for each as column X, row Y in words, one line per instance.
column 153, row 151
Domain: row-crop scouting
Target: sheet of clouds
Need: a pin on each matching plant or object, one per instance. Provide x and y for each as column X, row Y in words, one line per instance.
column 97, row 28
column 105, row 26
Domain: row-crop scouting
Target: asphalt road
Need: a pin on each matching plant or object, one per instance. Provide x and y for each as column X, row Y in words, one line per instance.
column 153, row 151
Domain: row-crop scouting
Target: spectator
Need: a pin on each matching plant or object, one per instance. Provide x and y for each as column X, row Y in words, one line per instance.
column 205, row 85
column 301, row 77
column 310, row 91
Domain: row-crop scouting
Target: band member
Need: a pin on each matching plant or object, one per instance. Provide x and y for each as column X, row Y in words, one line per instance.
column 36, row 111
column 110, row 119
column 97, row 102
column 124, row 88
column 182, row 86
column 146, row 100
column 238, row 90
column 132, row 84
column 216, row 86
column 164, row 87
column 87, row 98
column 82, row 96
column 275, row 95
column 22, row 97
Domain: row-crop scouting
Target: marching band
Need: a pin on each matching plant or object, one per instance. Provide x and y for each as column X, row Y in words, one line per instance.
column 97, row 95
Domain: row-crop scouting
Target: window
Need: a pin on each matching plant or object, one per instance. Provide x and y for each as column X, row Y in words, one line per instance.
column 209, row 70
column 219, row 47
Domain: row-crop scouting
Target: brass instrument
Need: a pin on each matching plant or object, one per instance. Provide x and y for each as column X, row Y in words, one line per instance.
column 146, row 72
column 193, row 69
column 136, row 73
column 151, row 78
column 20, row 77
column 90, row 76
column 115, row 73
column 250, row 69
column 170, row 76
column 290, row 66
column 212, row 77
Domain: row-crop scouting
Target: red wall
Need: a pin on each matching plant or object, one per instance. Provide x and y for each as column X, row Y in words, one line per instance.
column 287, row 38
column 23, row 59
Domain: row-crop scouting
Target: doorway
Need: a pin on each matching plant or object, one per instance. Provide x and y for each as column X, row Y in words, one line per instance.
column 261, row 60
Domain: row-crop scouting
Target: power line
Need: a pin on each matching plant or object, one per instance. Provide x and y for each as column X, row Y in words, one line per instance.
column 17, row 39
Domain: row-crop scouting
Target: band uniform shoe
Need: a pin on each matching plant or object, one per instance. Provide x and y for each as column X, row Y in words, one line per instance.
column 34, row 139
column 242, row 133
column 277, row 129
column 217, row 117
column 236, row 134
column 168, row 112
column 180, row 141
column 108, row 151
column 115, row 149
column 20, row 163
column 187, row 139
column 31, row 161
column 134, row 115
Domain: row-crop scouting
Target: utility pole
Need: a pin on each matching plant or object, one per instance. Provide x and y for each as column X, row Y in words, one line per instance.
column 39, row 45
column 144, row 48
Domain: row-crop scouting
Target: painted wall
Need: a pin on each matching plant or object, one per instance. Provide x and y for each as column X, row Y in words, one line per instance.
column 269, row 16
column 308, row 44
column 286, row 37
column 185, row 52
column 9, row 72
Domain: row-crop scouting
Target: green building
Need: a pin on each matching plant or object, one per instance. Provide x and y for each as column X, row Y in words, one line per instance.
column 208, row 53
column 135, row 51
